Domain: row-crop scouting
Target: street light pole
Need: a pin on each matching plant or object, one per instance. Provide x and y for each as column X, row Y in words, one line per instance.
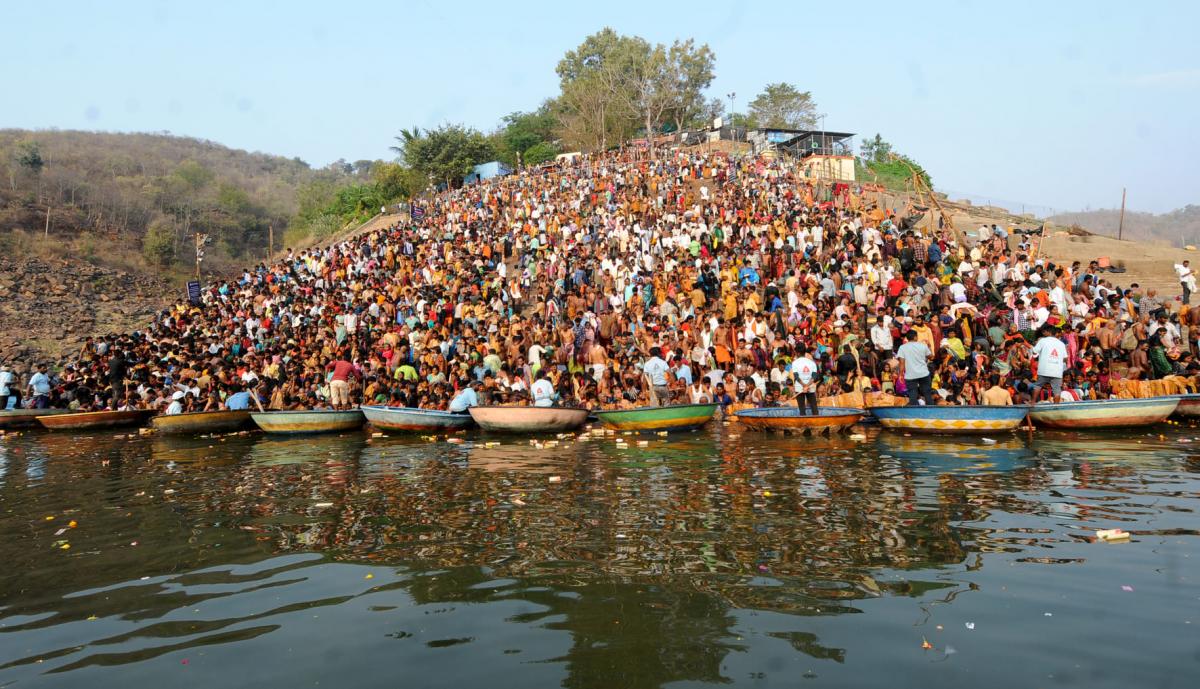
column 732, row 131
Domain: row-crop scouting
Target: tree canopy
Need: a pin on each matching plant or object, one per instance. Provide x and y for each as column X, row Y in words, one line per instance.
column 444, row 154
column 783, row 106
column 612, row 86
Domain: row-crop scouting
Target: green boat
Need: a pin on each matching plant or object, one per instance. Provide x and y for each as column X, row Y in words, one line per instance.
column 677, row 417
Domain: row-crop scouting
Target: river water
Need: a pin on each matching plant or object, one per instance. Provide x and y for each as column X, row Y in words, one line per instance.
column 722, row 557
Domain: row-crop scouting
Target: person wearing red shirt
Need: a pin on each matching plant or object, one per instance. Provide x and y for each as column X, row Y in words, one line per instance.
column 339, row 386
column 894, row 287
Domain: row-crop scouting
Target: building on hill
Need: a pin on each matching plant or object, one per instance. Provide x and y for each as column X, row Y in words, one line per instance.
column 823, row 154
column 484, row 171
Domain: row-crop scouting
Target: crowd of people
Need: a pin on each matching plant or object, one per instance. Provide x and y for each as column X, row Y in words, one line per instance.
column 623, row 280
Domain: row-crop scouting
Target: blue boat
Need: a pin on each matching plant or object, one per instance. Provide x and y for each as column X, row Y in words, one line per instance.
column 976, row 418
column 414, row 420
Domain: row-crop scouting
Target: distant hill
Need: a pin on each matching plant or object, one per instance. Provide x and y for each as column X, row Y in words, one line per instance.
column 1179, row 227
column 119, row 188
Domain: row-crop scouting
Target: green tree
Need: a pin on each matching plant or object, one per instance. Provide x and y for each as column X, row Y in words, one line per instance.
column 783, row 106
column 691, row 70
column 594, row 103
column 158, row 245
column 233, row 200
column 194, row 175
column 444, row 154
column 875, row 150
column 522, row 131
column 29, row 156
column 741, row 119
column 540, row 153
column 395, row 181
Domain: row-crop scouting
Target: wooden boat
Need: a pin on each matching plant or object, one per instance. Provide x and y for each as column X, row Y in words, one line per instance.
column 1189, row 407
column 529, row 419
column 789, row 419
column 26, row 418
column 415, row 420
column 308, row 421
column 80, row 421
column 971, row 418
column 676, row 417
column 201, row 422
column 1095, row 414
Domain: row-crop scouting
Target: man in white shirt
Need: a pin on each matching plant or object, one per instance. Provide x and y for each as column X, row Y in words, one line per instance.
column 1051, row 356
column 543, row 392
column 7, row 383
column 804, row 371
column 881, row 336
column 1187, row 280
column 465, row 399
column 39, row 387
column 655, row 370
column 176, row 405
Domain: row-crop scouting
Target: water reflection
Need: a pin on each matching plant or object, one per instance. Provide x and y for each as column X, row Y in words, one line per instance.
column 585, row 562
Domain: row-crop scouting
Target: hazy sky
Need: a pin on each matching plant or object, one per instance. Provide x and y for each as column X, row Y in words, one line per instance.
column 1049, row 103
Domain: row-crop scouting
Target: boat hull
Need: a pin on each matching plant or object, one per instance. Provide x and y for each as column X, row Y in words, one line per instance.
column 789, row 419
column 1100, row 414
column 202, row 422
column 529, row 419
column 308, row 422
column 411, row 420
column 1189, row 407
column 95, row 419
column 26, row 418
column 679, row 417
column 951, row 419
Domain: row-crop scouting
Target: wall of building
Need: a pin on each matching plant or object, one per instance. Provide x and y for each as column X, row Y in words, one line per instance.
column 840, row 168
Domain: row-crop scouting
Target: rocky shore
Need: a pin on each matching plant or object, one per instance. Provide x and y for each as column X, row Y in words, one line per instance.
column 49, row 307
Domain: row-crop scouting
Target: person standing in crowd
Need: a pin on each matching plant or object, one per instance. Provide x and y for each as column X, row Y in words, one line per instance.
column 39, row 387
column 339, row 384
column 1050, row 354
column 8, row 382
column 655, row 371
column 914, row 368
column 804, row 373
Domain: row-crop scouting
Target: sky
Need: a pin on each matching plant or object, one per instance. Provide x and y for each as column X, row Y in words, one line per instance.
column 1056, row 105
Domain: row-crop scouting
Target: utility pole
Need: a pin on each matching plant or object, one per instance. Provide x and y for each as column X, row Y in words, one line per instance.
column 732, row 131
column 201, row 239
column 1121, row 222
column 270, row 241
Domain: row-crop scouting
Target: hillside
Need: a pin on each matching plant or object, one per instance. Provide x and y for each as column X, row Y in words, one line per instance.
column 1180, row 227
column 136, row 189
column 122, row 211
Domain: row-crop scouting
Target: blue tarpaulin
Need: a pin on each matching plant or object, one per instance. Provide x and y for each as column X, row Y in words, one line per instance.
column 487, row 171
